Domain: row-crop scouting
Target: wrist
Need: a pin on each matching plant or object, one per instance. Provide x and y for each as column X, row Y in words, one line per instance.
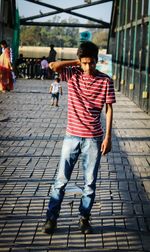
column 108, row 136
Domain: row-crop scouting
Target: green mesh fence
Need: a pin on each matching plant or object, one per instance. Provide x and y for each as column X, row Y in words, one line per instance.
column 16, row 36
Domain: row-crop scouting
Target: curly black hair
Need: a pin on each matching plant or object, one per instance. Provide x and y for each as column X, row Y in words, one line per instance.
column 88, row 49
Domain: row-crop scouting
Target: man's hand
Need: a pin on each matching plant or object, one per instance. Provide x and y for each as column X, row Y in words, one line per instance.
column 106, row 145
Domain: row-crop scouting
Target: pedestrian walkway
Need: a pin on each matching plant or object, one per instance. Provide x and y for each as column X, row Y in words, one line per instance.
column 31, row 135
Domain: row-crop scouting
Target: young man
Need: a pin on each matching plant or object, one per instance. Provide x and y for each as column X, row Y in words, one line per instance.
column 88, row 91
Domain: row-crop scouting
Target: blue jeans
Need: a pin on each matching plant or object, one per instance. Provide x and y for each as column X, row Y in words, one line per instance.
column 90, row 150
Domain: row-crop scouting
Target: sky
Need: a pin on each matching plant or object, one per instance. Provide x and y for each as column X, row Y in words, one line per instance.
column 101, row 11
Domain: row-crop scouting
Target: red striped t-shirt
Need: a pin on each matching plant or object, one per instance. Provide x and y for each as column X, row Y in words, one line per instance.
column 87, row 95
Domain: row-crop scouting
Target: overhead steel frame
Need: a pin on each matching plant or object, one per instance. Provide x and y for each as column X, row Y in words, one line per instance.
column 7, row 19
column 129, row 44
column 57, row 10
column 9, row 25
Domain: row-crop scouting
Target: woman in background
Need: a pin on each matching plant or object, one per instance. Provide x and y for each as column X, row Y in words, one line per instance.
column 6, row 81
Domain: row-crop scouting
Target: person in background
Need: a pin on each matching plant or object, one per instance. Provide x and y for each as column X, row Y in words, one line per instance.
column 20, row 66
column 55, row 89
column 51, row 58
column 52, row 54
column 88, row 91
column 37, row 69
column 44, row 68
column 6, row 80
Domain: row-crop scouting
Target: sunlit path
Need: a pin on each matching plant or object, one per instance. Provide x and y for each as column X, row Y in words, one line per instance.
column 31, row 135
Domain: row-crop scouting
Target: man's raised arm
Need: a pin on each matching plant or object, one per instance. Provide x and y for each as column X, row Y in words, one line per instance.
column 57, row 66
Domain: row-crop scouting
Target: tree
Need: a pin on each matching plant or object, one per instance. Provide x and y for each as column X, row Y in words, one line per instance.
column 100, row 38
column 44, row 36
column 30, row 35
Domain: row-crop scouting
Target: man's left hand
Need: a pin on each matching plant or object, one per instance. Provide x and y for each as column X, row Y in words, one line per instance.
column 106, row 145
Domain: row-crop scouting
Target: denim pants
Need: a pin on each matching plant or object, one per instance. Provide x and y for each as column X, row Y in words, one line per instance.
column 90, row 150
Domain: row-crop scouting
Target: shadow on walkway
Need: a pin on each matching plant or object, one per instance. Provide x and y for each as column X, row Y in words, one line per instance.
column 31, row 135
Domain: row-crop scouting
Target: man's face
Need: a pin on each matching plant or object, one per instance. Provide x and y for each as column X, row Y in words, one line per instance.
column 88, row 65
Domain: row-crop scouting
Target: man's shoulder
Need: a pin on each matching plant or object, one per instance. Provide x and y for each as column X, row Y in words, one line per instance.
column 73, row 70
column 77, row 69
column 103, row 76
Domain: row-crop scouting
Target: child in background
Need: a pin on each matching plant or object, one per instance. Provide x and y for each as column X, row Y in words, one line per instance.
column 55, row 88
column 44, row 68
